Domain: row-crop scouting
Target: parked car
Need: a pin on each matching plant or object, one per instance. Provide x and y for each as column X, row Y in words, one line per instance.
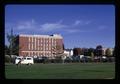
column 84, row 59
column 24, row 60
column 75, row 58
column 104, row 59
column 68, row 59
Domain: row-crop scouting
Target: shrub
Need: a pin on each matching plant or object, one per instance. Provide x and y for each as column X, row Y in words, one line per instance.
column 7, row 59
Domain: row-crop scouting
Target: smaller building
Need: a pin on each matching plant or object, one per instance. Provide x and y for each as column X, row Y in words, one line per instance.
column 68, row 52
column 104, row 50
column 112, row 49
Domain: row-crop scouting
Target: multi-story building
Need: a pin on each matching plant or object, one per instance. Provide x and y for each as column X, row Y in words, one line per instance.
column 40, row 45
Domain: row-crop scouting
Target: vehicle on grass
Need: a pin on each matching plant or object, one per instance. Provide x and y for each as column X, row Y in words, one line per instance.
column 68, row 59
column 104, row 59
column 24, row 60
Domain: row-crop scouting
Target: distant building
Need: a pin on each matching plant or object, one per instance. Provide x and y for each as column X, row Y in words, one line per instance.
column 111, row 49
column 69, row 52
column 39, row 45
column 77, row 51
column 104, row 50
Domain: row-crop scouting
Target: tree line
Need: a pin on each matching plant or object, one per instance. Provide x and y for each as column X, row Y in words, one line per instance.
column 98, row 51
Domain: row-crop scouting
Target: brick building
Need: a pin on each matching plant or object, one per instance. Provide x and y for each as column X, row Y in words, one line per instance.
column 39, row 45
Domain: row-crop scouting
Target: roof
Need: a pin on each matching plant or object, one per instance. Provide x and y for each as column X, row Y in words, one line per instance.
column 43, row 36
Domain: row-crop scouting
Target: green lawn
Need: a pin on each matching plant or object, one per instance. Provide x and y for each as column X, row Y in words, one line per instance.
column 61, row 71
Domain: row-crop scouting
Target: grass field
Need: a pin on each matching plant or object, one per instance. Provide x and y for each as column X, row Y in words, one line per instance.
column 61, row 71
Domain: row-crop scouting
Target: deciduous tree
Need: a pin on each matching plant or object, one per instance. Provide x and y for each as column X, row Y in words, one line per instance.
column 108, row 52
column 13, row 46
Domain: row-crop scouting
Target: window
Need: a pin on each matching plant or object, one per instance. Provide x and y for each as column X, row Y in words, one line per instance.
column 46, row 41
column 35, row 43
column 41, row 44
column 29, row 44
column 28, row 58
column 38, row 45
column 29, row 53
column 24, row 58
column 49, row 41
column 32, row 47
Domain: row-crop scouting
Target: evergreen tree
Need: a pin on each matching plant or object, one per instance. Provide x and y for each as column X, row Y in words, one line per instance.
column 99, row 51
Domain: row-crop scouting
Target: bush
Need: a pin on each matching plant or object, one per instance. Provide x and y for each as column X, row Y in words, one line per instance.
column 7, row 59
column 68, row 60
column 111, row 59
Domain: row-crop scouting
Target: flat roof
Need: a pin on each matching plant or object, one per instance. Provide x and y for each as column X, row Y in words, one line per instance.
column 42, row 36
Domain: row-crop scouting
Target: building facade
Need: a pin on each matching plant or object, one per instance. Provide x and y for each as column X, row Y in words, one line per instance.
column 104, row 50
column 40, row 45
column 68, row 52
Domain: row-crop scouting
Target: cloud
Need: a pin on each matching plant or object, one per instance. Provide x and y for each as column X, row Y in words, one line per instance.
column 26, row 25
column 60, row 21
column 102, row 27
column 77, row 22
column 47, row 27
column 34, row 26
column 72, row 30
column 88, row 22
column 81, row 22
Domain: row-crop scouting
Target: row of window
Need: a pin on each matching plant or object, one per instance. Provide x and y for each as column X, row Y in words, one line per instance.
column 35, row 54
column 42, row 46
column 36, row 47
column 41, row 40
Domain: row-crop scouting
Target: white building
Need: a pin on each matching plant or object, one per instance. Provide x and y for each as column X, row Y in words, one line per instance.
column 104, row 50
column 69, row 52
column 112, row 49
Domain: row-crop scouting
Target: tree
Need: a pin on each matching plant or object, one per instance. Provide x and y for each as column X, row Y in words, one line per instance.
column 59, row 53
column 113, row 53
column 57, row 50
column 82, row 51
column 108, row 52
column 99, row 51
column 90, row 50
column 13, row 44
column 7, row 50
column 86, row 53
column 77, row 51
column 92, row 56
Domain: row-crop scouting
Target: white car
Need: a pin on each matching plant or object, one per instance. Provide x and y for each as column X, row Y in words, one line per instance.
column 24, row 60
